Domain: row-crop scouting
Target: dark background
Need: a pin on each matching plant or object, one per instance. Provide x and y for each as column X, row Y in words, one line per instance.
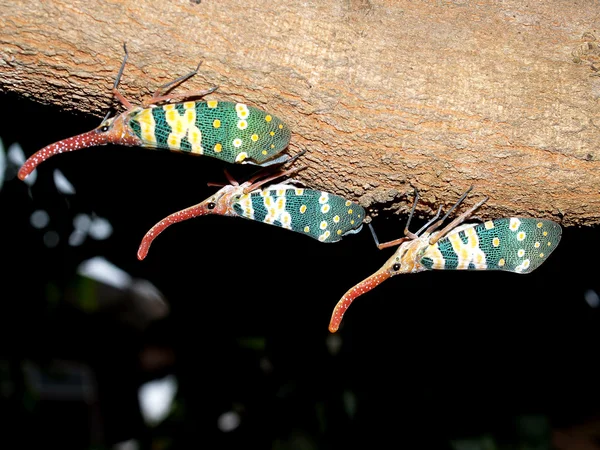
column 431, row 360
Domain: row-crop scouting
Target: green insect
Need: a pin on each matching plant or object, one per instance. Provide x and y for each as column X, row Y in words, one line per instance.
column 515, row 244
column 317, row 214
column 232, row 132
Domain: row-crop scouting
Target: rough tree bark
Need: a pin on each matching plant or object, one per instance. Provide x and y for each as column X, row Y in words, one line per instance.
column 384, row 95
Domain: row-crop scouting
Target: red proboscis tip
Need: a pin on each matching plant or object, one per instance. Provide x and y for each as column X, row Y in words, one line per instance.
column 89, row 139
column 364, row 286
column 179, row 216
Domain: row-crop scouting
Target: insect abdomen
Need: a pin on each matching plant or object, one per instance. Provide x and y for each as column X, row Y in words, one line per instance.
column 232, row 132
column 511, row 244
column 320, row 215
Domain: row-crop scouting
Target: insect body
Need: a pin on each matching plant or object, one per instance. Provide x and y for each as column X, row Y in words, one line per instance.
column 320, row 215
column 233, row 132
column 515, row 244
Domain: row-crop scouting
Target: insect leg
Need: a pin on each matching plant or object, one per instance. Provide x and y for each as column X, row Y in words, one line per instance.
column 407, row 234
column 460, row 219
column 115, row 91
column 386, row 244
column 160, row 97
column 437, row 224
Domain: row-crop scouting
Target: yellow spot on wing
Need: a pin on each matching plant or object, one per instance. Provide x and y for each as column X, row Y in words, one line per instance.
column 174, row 141
column 324, row 236
column 514, row 224
column 195, row 139
column 241, row 110
column 147, row 126
column 216, row 123
column 212, row 104
column 171, row 115
column 218, row 148
column 286, row 220
column 178, row 129
column 489, row 225
column 268, row 118
column 472, row 238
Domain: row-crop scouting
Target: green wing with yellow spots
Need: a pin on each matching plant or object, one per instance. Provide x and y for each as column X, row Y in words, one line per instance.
column 320, row 215
column 513, row 244
column 232, row 132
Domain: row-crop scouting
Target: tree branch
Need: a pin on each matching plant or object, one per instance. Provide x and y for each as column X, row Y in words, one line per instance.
column 385, row 96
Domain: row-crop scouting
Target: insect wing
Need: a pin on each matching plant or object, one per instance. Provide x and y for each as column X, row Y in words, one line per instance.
column 320, row 215
column 511, row 244
column 229, row 131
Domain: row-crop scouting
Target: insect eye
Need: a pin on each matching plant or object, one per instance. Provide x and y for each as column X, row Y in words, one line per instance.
column 104, row 128
column 396, row 267
column 211, row 205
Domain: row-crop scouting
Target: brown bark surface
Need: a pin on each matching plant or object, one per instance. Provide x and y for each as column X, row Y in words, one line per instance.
column 385, row 96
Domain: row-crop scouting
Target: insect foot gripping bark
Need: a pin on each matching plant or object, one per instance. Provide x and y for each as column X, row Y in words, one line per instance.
column 232, row 132
column 512, row 244
column 320, row 215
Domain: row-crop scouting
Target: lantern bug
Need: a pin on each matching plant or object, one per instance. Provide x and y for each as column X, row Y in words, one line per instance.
column 318, row 214
column 515, row 244
column 232, row 132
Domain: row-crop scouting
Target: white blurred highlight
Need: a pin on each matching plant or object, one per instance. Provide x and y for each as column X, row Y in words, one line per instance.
column 100, row 269
column 228, row 421
column 39, row 219
column 76, row 238
column 62, row 184
column 100, row 228
column 2, row 164
column 156, row 398
column 131, row 444
column 591, row 297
